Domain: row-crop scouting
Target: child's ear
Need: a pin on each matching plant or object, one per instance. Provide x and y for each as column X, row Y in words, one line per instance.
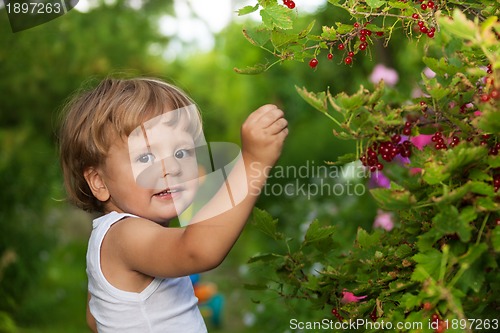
column 96, row 184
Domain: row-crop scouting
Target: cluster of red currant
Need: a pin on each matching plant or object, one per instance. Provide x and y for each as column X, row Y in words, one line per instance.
column 336, row 313
column 428, row 5
column 488, row 91
column 441, row 324
column 387, row 150
column 358, row 31
column 423, row 29
column 440, row 143
column 289, row 3
column 496, row 186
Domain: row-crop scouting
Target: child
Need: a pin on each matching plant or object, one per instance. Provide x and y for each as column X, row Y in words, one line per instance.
column 127, row 152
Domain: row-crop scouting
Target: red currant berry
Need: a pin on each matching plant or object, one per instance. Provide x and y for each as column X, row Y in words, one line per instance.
column 341, row 46
column 348, row 60
column 380, row 33
column 350, row 54
column 415, row 16
column 423, row 29
column 356, row 25
column 485, row 98
column 362, row 46
column 421, row 23
column 313, row 63
column 430, row 5
column 291, row 4
column 423, row 6
column 362, row 38
column 329, row 56
column 495, row 94
column 430, row 34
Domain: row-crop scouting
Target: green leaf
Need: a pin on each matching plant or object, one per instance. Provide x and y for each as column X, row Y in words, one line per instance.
column 257, row 36
column 489, row 121
column 428, row 265
column 450, row 221
column 281, row 39
column 265, row 257
column 307, row 30
column 452, row 160
column 438, row 92
column 441, row 66
column 249, row 286
column 353, row 102
column 403, row 251
column 257, row 69
column 458, row 25
column 316, row 233
column 377, row 93
column 317, row 101
column 375, row 3
column 445, row 221
column 434, row 173
column 495, row 239
column 277, row 16
column 393, row 198
column 366, row 240
column 344, row 159
column 263, row 221
column 247, row 10
column 329, row 33
column 472, row 278
column 473, row 254
column 426, row 241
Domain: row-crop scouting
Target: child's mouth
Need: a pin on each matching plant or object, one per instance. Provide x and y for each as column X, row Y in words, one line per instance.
column 168, row 193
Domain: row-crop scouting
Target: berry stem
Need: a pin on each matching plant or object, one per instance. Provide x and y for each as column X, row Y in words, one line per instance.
column 480, row 234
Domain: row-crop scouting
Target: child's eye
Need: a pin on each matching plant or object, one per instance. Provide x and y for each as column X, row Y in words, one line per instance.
column 146, row 158
column 182, row 153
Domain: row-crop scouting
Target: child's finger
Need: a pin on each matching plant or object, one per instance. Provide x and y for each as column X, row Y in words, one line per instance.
column 263, row 110
column 270, row 117
column 278, row 126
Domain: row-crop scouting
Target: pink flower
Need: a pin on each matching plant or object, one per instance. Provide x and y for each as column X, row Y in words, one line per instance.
column 380, row 72
column 348, row 297
column 429, row 73
column 383, row 220
column 415, row 171
column 421, row 140
column 378, row 179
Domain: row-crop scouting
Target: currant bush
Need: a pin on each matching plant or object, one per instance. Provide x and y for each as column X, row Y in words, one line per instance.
column 439, row 151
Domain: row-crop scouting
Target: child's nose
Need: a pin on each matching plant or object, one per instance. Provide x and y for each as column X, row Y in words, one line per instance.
column 170, row 166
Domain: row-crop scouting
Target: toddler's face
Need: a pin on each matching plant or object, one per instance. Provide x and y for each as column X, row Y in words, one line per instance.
column 163, row 156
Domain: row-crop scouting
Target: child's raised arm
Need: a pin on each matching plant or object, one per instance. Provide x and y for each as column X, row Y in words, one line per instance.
column 153, row 250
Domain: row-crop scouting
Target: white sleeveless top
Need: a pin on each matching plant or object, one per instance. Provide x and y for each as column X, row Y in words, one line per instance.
column 164, row 306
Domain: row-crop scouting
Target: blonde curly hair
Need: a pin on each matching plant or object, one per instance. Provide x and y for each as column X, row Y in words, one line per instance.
column 93, row 119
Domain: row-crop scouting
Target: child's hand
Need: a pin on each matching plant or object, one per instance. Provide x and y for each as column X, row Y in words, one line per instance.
column 262, row 135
